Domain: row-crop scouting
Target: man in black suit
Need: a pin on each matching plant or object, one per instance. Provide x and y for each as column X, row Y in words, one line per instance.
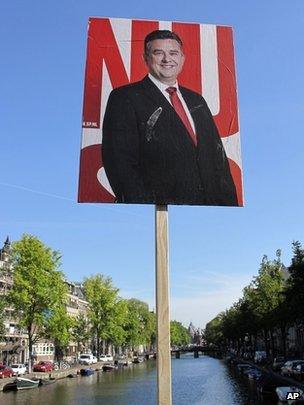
column 160, row 144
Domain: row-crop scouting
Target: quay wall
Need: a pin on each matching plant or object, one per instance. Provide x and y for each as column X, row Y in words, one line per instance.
column 58, row 374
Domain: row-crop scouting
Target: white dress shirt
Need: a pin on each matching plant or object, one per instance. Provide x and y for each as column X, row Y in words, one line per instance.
column 162, row 87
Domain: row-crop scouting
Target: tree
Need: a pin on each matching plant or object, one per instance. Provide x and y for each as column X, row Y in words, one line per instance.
column 294, row 292
column 117, row 329
column 38, row 286
column 230, row 327
column 103, row 299
column 213, row 333
column 152, row 328
column 265, row 295
column 80, row 330
column 179, row 335
column 58, row 328
column 139, row 323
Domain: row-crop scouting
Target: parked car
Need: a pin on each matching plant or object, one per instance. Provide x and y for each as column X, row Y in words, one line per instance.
column 18, row 369
column 298, row 373
column 86, row 358
column 259, row 356
column 106, row 358
column 282, row 393
column 290, row 366
column 278, row 363
column 5, row 372
column 43, row 366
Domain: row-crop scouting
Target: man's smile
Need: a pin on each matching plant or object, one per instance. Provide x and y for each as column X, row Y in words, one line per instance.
column 165, row 60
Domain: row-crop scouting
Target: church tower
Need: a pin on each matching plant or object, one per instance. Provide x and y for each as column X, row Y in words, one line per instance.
column 5, row 251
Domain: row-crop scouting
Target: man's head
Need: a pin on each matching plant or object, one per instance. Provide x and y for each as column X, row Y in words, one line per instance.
column 164, row 55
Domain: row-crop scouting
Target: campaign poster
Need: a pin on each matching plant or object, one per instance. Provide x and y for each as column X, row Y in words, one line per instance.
column 160, row 115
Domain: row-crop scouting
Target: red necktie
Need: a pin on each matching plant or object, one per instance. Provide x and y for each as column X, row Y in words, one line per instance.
column 178, row 107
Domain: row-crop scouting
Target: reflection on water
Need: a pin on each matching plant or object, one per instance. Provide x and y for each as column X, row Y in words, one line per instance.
column 202, row 381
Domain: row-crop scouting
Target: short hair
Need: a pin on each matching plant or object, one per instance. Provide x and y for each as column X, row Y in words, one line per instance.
column 161, row 34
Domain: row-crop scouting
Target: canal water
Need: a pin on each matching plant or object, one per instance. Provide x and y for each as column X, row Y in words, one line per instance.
column 202, row 381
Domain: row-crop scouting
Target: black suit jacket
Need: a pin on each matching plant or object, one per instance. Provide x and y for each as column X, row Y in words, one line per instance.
column 149, row 157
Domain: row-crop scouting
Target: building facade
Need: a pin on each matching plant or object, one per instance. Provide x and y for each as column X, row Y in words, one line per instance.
column 13, row 344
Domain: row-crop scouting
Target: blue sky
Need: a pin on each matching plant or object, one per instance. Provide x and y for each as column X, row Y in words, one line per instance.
column 214, row 252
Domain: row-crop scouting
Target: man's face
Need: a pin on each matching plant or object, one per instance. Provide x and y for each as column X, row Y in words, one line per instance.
column 164, row 59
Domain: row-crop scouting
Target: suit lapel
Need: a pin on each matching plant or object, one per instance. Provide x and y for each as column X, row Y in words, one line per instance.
column 157, row 96
column 153, row 92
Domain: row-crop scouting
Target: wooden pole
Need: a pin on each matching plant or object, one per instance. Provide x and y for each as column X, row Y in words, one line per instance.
column 164, row 391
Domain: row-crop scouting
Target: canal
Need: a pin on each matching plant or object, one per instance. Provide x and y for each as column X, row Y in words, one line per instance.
column 202, row 381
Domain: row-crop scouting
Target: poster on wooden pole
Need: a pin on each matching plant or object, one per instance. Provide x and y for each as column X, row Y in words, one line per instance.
column 160, row 126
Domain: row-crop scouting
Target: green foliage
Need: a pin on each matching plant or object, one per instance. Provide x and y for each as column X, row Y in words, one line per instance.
column 213, row 332
column 38, row 287
column 58, row 328
column 152, row 328
column 80, row 330
column 117, row 331
column 294, row 292
column 230, row 323
column 104, row 308
column 179, row 334
column 139, row 324
column 264, row 294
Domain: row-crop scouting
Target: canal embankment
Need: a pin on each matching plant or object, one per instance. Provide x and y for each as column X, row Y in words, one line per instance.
column 57, row 374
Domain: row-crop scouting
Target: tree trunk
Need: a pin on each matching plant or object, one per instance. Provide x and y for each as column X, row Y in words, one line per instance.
column 265, row 333
column 254, row 343
column 30, row 340
column 283, row 336
column 238, row 347
column 98, row 347
column 272, row 342
column 58, row 352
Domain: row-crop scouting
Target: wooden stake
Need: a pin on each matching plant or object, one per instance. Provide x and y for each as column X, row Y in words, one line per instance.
column 164, row 391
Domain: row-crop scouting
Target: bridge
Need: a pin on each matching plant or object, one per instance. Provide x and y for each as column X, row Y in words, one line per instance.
column 197, row 350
